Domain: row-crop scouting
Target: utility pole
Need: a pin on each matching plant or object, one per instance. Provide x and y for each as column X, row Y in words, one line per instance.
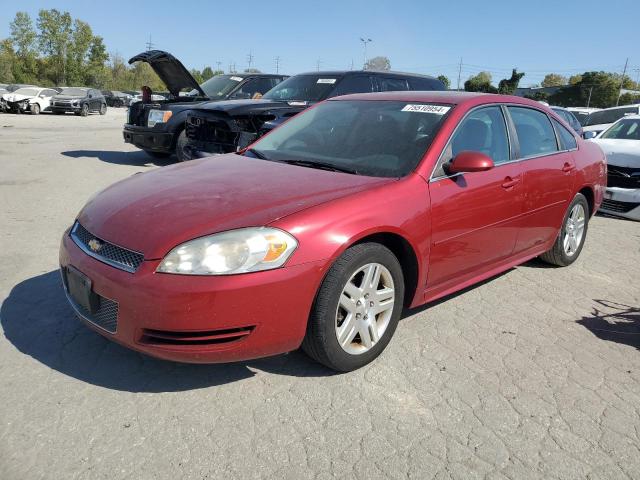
column 364, row 43
column 459, row 73
column 318, row 62
column 590, row 92
column 351, row 66
column 277, row 64
column 624, row 72
column 219, row 65
column 249, row 60
column 150, row 45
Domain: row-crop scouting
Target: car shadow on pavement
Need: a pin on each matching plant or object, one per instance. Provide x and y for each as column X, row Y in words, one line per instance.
column 614, row 322
column 38, row 321
column 120, row 158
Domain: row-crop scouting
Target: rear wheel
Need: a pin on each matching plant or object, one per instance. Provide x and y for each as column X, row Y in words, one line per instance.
column 573, row 233
column 183, row 151
column 103, row 109
column 357, row 308
column 35, row 109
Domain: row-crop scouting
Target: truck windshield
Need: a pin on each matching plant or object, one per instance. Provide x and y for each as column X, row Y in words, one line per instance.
column 219, row 87
column 307, row 88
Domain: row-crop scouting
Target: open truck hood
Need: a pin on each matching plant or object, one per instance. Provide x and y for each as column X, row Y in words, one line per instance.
column 170, row 70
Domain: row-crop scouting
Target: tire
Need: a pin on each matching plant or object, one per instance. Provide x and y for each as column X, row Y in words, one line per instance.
column 157, row 154
column 328, row 317
column 182, row 150
column 565, row 251
column 103, row 109
column 84, row 111
column 35, row 109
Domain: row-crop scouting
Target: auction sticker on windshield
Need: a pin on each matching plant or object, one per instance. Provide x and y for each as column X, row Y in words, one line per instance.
column 437, row 109
column 326, row 80
column 236, row 79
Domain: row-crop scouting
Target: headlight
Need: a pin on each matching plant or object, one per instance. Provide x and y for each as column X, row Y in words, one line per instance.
column 236, row 251
column 75, row 102
column 158, row 116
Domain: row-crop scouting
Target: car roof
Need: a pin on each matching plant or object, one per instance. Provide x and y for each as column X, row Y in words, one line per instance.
column 637, row 105
column 330, row 73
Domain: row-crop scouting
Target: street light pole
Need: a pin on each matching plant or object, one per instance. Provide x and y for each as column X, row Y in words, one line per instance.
column 364, row 43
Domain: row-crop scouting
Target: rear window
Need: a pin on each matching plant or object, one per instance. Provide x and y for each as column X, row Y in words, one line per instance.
column 417, row 83
column 610, row 116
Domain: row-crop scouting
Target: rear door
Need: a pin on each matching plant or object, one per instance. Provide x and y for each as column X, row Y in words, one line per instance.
column 548, row 178
column 474, row 215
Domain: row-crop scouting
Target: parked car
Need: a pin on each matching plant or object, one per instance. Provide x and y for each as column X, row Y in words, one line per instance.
column 598, row 122
column 582, row 113
column 115, row 98
column 224, row 127
column 320, row 233
column 568, row 117
column 158, row 127
column 4, row 88
column 621, row 144
column 29, row 99
column 79, row 100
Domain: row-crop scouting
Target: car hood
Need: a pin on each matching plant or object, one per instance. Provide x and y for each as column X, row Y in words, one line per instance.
column 13, row 97
column 621, row 153
column 245, row 107
column 170, row 70
column 153, row 212
column 596, row 128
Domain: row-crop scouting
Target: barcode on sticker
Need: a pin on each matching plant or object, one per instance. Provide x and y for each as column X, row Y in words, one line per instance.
column 437, row 109
column 326, row 80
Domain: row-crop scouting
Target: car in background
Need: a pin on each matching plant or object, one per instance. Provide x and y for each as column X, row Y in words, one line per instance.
column 582, row 113
column 115, row 98
column 621, row 145
column 158, row 127
column 9, row 88
column 79, row 100
column 29, row 99
column 321, row 233
column 568, row 117
column 224, row 127
column 599, row 121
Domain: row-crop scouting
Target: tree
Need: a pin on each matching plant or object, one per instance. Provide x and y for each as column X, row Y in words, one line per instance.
column 554, row 80
column 378, row 63
column 78, row 52
column 97, row 73
column 595, row 89
column 207, row 73
column 480, row 83
column 54, row 39
column 7, row 60
column 197, row 75
column 629, row 99
column 538, row 96
column 445, row 80
column 23, row 40
column 574, row 79
column 508, row 86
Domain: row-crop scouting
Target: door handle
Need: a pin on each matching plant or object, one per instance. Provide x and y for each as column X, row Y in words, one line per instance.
column 567, row 167
column 510, row 182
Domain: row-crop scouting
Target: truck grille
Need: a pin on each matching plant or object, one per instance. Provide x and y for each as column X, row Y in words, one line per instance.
column 618, row 207
column 104, row 251
column 623, row 177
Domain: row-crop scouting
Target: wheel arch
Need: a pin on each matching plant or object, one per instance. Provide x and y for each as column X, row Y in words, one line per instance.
column 588, row 193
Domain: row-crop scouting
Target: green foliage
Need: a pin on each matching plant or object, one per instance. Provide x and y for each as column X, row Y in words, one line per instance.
column 595, row 89
column 507, row 86
column 207, row 73
column 574, row 79
column 445, row 80
column 54, row 41
column 554, row 80
column 197, row 75
column 378, row 63
column 480, row 83
column 539, row 96
column 629, row 99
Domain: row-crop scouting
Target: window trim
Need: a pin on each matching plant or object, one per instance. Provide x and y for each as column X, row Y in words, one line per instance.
column 559, row 140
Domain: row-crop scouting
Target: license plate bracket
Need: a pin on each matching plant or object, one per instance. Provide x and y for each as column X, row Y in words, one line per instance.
column 79, row 288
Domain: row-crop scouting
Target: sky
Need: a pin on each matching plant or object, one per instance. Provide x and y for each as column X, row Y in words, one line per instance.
column 561, row 36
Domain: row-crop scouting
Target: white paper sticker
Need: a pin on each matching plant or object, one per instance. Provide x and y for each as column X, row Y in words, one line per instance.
column 437, row 109
column 237, row 79
column 327, row 80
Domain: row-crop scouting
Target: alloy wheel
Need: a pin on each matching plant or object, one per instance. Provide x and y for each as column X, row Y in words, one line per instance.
column 574, row 230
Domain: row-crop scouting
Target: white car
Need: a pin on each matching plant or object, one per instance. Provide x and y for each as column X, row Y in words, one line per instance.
column 621, row 145
column 599, row 121
column 29, row 99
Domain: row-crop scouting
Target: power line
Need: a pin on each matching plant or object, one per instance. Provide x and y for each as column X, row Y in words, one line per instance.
column 277, row 64
column 249, row 60
column 364, row 43
column 150, row 45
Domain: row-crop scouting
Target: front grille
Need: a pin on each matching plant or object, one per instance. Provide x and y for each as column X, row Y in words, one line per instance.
column 104, row 251
column 619, row 207
column 184, row 338
column 623, row 177
column 105, row 317
column 213, row 131
column 63, row 103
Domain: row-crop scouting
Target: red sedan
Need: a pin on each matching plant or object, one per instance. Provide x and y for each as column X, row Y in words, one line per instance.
column 321, row 232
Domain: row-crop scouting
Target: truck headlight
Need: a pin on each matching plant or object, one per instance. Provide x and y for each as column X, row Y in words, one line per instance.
column 158, row 116
column 236, row 251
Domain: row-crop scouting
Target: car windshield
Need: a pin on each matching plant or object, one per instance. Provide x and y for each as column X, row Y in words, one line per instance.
column 308, row 88
column 626, row 129
column 373, row 137
column 29, row 92
column 219, row 87
column 75, row 92
column 609, row 116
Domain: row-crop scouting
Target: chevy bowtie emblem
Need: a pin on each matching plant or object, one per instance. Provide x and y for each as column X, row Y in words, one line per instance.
column 95, row 245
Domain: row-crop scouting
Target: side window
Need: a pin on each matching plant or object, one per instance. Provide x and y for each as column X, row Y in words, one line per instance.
column 390, row 84
column 483, row 130
column 264, row 85
column 535, row 133
column 353, row 84
column 567, row 140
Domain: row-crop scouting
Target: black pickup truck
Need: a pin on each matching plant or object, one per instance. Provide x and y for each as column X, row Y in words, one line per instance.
column 223, row 127
column 158, row 127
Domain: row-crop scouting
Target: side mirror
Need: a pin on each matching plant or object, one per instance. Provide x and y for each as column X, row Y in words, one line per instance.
column 589, row 135
column 469, row 162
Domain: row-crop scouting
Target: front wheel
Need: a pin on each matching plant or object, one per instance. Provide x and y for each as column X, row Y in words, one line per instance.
column 357, row 308
column 85, row 110
column 573, row 233
column 35, row 109
column 183, row 151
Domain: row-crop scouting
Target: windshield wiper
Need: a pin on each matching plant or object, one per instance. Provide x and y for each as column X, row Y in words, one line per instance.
column 258, row 154
column 321, row 166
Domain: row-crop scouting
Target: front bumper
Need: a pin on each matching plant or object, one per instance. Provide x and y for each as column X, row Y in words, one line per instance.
column 199, row 319
column 18, row 107
column 622, row 202
column 66, row 108
column 146, row 138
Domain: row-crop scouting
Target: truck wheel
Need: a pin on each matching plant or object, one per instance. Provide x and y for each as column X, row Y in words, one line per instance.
column 183, row 151
column 35, row 109
column 157, row 154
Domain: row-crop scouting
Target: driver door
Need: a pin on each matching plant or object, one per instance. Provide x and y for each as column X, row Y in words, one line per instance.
column 474, row 215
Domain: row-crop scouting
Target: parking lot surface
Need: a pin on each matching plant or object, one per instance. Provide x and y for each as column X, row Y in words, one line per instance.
column 533, row 374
